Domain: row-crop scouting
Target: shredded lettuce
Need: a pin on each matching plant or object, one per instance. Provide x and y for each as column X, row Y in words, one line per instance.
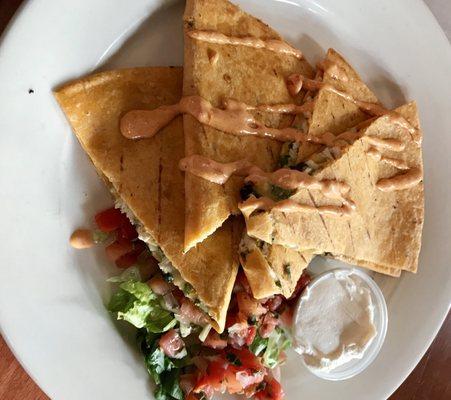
column 135, row 303
column 278, row 341
column 259, row 345
column 270, row 348
column 164, row 371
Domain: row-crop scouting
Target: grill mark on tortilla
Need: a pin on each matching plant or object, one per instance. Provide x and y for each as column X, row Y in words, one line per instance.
column 366, row 161
column 322, row 219
column 369, row 177
column 349, row 223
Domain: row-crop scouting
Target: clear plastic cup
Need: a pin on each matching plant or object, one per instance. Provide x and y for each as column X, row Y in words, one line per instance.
column 356, row 365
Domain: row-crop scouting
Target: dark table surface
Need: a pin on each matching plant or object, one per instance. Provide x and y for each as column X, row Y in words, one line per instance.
column 430, row 380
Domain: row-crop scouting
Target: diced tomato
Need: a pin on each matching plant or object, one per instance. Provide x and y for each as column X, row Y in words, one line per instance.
column 110, row 220
column 214, row 341
column 235, row 318
column 274, row 302
column 303, row 281
column 159, row 285
column 191, row 396
column 187, row 382
column 251, row 332
column 249, row 306
column 238, row 333
column 232, row 384
column 127, row 260
column 171, row 343
column 247, row 359
column 116, row 250
column 241, row 282
column 139, row 246
column 268, row 325
column 148, row 266
column 287, row 316
column 178, row 294
column 126, row 231
column 241, row 370
column 272, row 391
column 214, row 378
column 249, row 378
column 192, row 314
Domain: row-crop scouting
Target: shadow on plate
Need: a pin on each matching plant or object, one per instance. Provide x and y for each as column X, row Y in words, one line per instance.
column 156, row 38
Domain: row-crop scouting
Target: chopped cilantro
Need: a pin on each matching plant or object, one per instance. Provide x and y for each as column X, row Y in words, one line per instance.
column 302, row 166
column 279, row 193
column 247, row 191
column 287, row 269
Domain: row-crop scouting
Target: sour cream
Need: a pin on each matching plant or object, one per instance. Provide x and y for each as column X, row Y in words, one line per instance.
column 334, row 321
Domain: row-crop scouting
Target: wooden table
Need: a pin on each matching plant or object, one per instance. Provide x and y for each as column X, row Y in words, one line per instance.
column 431, row 379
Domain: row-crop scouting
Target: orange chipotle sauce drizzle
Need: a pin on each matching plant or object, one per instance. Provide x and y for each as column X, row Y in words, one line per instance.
column 277, row 46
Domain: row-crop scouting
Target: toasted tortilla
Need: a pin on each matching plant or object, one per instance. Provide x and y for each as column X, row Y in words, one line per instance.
column 246, row 74
column 331, row 113
column 144, row 174
column 384, row 232
column 272, row 269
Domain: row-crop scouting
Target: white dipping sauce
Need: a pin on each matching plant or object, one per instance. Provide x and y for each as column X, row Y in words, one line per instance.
column 334, row 322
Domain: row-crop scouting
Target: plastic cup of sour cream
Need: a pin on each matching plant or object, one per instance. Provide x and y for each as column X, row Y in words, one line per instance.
column 340, row 323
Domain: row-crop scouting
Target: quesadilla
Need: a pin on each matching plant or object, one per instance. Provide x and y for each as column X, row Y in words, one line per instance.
column 230, row 55
column 383, row 173
column 266, row 265
column 145, row 181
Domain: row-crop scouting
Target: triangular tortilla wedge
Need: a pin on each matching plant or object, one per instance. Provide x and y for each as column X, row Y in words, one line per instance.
column 144, row 175
column 221, row 71
column 271, row 269
column 332, row 113
column 384, row 232
column 264, row 264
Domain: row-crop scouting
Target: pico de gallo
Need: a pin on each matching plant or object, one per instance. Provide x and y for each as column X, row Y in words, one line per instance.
column 184, row 356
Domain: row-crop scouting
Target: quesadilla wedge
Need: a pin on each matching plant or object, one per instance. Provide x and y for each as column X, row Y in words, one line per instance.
column 144, row 178
column 271, row 269
column 381, row 228
column 331, row 112
column 230, row 55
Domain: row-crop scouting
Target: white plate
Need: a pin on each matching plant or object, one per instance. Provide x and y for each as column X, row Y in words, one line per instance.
column 51, row 297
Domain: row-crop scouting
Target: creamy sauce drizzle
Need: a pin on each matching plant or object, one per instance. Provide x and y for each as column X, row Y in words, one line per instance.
column 285, row 178
column 310, row 84
column 273, row 108
column 395, row 162
column 386, row 143
column 293, row 180
column 291, row 206
column 333, row 69
column 234, row 119
column 274, row 45
column 401, row 181
column 213, row 171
